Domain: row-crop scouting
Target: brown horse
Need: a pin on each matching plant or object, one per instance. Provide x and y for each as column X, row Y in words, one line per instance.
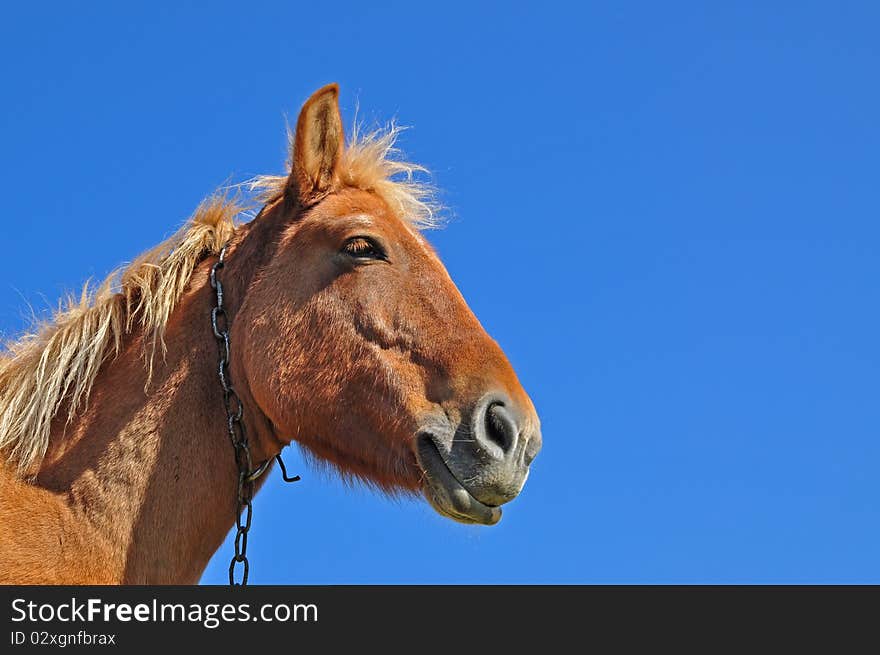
column 346, row 335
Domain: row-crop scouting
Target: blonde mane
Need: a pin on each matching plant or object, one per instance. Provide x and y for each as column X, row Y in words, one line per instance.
column 371, row 162
column 56, row 364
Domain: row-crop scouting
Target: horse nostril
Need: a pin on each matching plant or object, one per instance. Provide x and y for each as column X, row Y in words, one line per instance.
column 499, row 427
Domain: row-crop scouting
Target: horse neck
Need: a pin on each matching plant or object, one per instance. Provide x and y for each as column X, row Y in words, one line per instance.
column 148, row 476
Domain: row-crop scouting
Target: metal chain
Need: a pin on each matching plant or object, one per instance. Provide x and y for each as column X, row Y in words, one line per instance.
column 247, row 474
column 237, row 434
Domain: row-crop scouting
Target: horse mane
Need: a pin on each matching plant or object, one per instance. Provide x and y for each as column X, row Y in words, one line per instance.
column 57, row 362
column 371, row 162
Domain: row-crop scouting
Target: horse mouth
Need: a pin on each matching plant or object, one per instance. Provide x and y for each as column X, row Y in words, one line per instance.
column 444, row 491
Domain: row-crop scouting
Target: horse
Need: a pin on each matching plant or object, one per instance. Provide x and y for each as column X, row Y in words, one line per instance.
column 336, row 326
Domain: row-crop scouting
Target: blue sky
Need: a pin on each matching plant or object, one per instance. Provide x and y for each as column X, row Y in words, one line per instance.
column 666, row 214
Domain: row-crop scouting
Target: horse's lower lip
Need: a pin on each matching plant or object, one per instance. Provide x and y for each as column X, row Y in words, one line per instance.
column 445, row 493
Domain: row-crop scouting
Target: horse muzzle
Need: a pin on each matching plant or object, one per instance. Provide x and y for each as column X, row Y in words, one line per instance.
column 471, row 470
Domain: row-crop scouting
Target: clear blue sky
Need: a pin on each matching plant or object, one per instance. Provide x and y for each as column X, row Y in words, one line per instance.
column 666, row 213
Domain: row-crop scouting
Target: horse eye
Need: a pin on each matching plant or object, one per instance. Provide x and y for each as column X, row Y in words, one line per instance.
column 363, row 248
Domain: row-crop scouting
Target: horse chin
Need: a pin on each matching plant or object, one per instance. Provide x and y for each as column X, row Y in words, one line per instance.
column 445, row 493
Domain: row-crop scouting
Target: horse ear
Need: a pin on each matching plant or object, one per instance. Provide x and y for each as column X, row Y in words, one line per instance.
column 317, row 145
